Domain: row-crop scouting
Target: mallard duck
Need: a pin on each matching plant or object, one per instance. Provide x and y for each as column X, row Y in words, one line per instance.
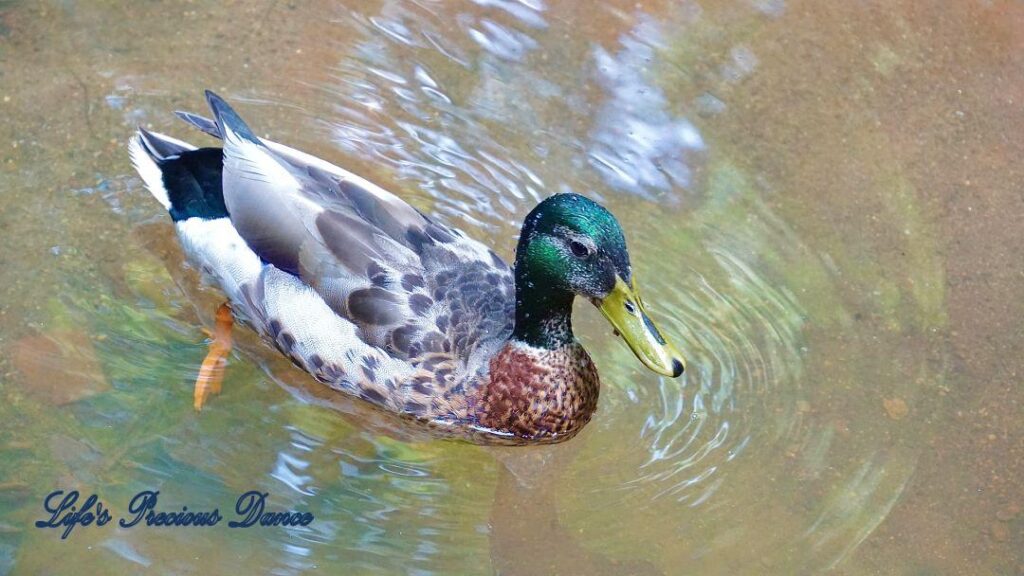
column 379, row 301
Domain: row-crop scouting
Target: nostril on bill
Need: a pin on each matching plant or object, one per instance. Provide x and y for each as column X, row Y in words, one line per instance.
column 653, row 330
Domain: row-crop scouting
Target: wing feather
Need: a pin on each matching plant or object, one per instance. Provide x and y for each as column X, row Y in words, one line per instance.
column 418, row 290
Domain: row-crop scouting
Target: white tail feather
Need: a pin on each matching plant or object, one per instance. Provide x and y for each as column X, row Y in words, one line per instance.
column 147, row 168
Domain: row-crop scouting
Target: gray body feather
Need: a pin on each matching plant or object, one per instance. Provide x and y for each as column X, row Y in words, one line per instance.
column 358, row 287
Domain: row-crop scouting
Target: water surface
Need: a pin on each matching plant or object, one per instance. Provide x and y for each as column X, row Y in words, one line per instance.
column 799, row 186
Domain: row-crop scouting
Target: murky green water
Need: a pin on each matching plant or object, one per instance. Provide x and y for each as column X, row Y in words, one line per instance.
column 795, row 187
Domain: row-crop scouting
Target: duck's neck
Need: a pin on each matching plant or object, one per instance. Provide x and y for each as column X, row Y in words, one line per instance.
column 542, row 385
column 543, row 313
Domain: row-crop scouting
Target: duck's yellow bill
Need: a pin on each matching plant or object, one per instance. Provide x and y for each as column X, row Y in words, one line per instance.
column 624, row 309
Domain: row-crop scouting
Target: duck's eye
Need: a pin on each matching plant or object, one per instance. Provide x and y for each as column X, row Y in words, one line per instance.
column 579, row 249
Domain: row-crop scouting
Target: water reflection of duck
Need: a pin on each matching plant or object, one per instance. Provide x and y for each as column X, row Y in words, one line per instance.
column 380, row 301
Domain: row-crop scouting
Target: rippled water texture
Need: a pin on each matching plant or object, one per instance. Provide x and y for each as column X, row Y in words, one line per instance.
column 798, row 188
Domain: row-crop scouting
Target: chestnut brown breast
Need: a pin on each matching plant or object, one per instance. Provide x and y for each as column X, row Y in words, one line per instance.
column 537, row 394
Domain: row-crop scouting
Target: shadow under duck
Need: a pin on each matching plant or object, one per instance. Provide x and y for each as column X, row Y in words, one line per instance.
column 378, row 300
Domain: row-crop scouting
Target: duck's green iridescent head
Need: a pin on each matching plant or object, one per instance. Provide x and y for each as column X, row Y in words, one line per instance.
column 571, row 246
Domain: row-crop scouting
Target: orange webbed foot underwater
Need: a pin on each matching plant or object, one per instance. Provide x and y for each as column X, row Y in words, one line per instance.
column 211, row 373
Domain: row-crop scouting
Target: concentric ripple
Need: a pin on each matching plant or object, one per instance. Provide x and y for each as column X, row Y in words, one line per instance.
column 770, row 455
column 475, row 105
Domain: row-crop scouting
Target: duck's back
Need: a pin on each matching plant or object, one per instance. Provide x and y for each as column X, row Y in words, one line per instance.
column 357, row 287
